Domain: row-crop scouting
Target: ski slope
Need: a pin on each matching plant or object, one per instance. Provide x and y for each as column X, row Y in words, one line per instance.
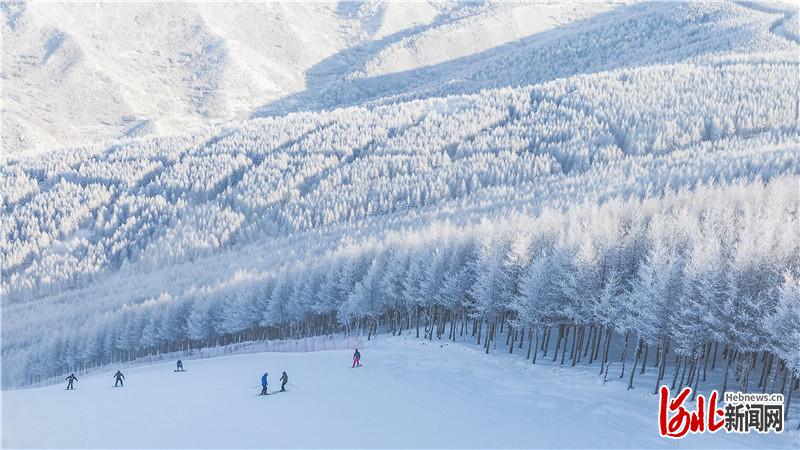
column 409, row 394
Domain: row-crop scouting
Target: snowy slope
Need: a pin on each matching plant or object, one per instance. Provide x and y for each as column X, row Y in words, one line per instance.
column 78, row 73
column 408, row 394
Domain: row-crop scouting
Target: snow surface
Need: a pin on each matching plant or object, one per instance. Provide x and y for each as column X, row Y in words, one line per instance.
column 409, row 394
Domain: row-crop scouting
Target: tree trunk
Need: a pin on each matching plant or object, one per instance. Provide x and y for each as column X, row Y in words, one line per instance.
column 635, row 362
column 489, row 336
column 785, row 373
column 564, row 348
column 417, row 321
column 589, row 341
column 598, row 332
column 677, row 371
column 605, row 351
column 580, row 337
column 685, row 365
column 545, row 340
column 597, row 342
column 714, row 360
column 661, row 364
column 696, row 378
column 623, row 355
column 789, row 398
column 644, row 359
column 530, row 341
column 513, row 338
column 762, row 382
column 575, row 343
column 692, row 369
column 558, row 342
column 725, row 377
column 745, row 384
column 775, row 376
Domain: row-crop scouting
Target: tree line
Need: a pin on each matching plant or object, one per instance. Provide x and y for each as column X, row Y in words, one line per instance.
column 692, row 282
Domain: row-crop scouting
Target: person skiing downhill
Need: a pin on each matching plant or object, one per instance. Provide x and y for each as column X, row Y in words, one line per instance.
column 70, row 379
column 263, row 384
column 119, row 376
column 356, row 359
column 180, row 366
column 284, row 380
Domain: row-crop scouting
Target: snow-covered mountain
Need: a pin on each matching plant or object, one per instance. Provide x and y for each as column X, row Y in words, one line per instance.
column 239, row 173
column 77, row 73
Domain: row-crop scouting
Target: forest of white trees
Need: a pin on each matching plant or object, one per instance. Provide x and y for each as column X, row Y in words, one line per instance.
column 632, row 35
column 654, row 209
column 690, row 281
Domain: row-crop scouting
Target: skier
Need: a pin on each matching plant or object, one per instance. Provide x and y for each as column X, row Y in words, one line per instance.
column 263, row 384
column 180, row 366
column 119, row 376
column 356, row 359
column 284, row 380
column 70, row 379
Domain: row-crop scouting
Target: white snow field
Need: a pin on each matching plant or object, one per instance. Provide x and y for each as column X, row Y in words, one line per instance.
column 558, row 175
column 408, row 394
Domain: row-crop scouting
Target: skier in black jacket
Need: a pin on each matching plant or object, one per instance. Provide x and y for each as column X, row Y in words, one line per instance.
column 180, row 366
column 284, row 380
column 356, row 359
column 119, row 376
column 70, row 379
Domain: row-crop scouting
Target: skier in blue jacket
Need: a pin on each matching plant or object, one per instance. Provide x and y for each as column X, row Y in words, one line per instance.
column 263, row 384
column 70, row 379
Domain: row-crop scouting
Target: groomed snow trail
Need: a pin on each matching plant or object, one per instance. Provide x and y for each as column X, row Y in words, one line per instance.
column 409, row 394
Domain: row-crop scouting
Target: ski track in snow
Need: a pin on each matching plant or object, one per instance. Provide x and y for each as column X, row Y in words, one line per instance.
column 409, row 394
